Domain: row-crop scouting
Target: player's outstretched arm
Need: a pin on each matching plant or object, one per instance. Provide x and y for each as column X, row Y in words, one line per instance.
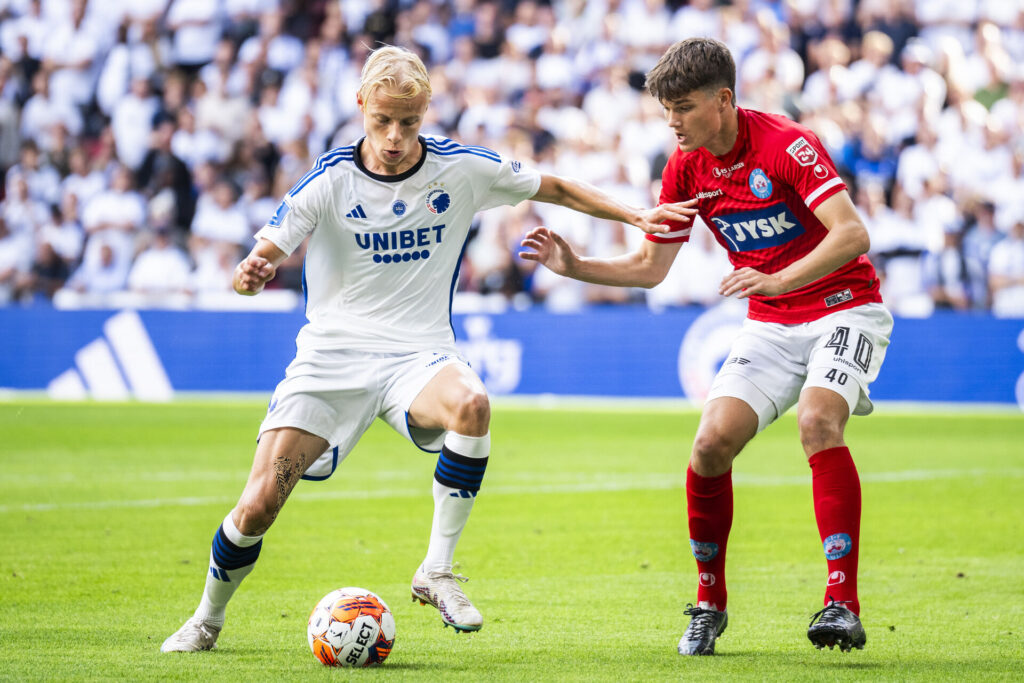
column 583, row 197
column 645, row 267
column 846, row 240
column 258, row 268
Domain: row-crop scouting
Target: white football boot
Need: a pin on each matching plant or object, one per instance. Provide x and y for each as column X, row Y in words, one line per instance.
column 441, row 590
column 194, row 636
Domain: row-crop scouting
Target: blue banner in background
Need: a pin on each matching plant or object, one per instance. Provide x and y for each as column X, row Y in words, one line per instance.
column 627, row 352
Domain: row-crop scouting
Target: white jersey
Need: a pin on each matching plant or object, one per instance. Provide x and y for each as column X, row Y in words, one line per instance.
column 382, row 263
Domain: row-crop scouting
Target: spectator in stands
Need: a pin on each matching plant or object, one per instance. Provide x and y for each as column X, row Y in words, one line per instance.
column 64, row 231
column 70, row 54
column 980, row 238
column 162, row 268
column 43, row 113
column 1006, row 273
column 23, row 214
column 15, row 260
column 41, row 178
column 163, row 172
column 271, row 47
column 898, row 247
column 196, row 27
column 104, row 267
column 45, row 276
column 9, row 113
column 118, row 214
column 132, row 123
column 83, row 181
column 219, row 219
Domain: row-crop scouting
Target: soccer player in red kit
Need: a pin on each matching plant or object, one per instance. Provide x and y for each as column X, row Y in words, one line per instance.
column 816, row 330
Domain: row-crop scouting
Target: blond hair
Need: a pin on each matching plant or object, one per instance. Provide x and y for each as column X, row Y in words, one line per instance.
column 398, row 70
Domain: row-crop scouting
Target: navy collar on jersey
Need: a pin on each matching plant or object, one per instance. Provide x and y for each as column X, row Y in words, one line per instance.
column 357, row 157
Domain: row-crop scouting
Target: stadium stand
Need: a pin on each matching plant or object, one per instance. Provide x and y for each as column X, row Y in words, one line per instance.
column 142, row 143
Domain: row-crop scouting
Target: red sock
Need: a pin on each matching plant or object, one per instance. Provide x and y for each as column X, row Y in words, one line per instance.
column 709, row 507
column 836, row 489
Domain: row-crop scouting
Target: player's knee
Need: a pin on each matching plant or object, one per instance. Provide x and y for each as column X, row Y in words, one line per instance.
column 713, row 453
column 819, row 430
column 471, row 414
column 254, row 515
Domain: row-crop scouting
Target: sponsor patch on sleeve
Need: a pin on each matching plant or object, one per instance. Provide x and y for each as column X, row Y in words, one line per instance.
column 803, row 152
column 275, row 220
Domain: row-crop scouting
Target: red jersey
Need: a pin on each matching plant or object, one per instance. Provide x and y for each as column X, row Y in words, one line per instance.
column 759, row 200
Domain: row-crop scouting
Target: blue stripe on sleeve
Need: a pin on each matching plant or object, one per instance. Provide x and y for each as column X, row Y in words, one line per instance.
column 325, row 161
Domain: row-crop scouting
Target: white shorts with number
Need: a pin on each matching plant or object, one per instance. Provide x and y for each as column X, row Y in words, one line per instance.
column 336, row 394
column 769, row 364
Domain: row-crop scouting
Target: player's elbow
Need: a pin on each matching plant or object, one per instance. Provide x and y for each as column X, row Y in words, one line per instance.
column 854, row 238
column 860, row 239
column 651, row 275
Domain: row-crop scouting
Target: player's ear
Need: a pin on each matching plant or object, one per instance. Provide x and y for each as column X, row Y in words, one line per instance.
column 724, row 98
column 359, row 101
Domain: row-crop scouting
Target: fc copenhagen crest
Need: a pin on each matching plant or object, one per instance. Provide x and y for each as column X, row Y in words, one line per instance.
column 438, row 200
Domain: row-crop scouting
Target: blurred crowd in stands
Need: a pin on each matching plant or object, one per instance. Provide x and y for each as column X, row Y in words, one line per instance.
column 143, row 142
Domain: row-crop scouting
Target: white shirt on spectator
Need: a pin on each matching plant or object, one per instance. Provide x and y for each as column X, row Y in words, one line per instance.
column 24, row 215
column 97, row 276
column 196, row 29
column 84, row 187
column 284, row 52
column 67, row 239
column 132, row 125
column 1007, row 260
column 68, row 44
column 221, row 224
column 160, row 270
column 33, row 28
column 125, row 211
column 43, row 182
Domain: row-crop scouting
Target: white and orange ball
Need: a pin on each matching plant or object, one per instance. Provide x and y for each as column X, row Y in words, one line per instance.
column 351, row 627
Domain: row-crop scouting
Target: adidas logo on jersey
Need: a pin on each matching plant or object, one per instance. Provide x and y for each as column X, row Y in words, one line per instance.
column 356, row 212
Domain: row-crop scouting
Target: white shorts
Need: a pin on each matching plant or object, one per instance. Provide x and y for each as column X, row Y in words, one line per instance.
column 769, row 364
column 336, row 394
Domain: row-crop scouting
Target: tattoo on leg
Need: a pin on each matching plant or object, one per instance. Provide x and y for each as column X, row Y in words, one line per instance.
column 287, row 474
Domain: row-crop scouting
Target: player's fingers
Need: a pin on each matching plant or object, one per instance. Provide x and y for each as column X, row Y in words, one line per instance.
column 558, row 240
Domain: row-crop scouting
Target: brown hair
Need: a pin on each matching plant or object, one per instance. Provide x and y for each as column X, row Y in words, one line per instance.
column 692, row 64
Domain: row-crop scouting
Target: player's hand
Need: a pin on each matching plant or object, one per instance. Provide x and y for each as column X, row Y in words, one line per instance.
column 252, row 274
column 652, row 221
column 549, row 249
column 746, row 281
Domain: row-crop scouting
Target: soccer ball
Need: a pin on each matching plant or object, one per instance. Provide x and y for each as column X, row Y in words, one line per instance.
column 351, row 627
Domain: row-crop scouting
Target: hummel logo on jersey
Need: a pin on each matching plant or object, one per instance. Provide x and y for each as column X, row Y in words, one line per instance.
column 356, row 212
column 761, row 228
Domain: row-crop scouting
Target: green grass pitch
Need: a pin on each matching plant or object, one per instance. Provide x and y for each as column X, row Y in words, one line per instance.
column 577, row 548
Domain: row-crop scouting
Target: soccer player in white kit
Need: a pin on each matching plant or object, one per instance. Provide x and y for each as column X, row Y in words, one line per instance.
column 388, row 218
